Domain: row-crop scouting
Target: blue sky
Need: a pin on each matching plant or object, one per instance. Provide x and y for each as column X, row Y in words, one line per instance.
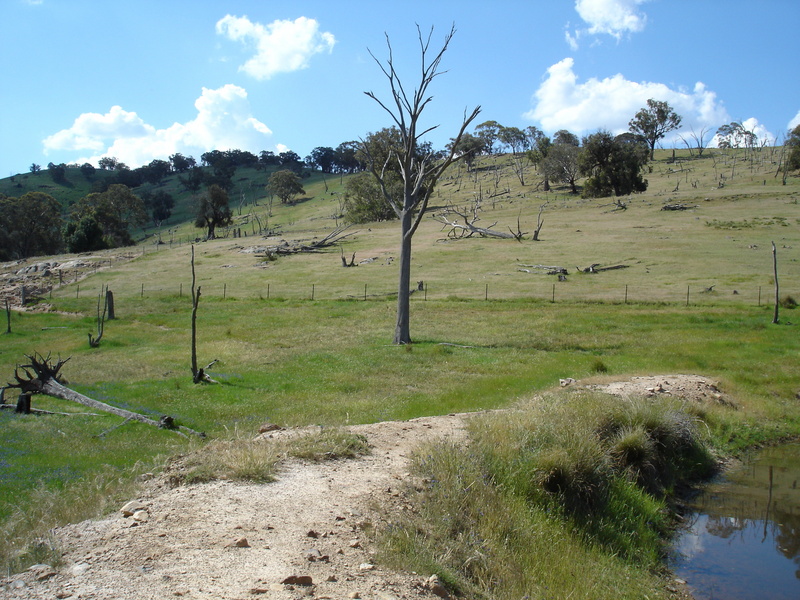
column 144, row 79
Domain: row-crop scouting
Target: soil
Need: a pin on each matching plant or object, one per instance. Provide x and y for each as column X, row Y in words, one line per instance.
column 307, row 535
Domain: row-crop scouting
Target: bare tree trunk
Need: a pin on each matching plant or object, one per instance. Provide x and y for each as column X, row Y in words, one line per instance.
column 402, row 331
column 110, row 305
column 195, row 302
column 775, row 270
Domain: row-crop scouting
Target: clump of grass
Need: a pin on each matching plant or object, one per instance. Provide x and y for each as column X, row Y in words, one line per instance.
column 571, row 483
column 598, row 366
column 256, row 460
column 25, row 537
column 788, row 302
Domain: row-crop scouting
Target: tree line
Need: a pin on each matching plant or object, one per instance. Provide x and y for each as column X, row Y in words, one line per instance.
column 612, row 165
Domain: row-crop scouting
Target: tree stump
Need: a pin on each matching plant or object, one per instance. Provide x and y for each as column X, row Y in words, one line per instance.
column 110, row 305
column 24, row 404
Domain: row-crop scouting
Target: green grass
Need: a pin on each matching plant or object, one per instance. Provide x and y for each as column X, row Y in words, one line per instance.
column 564, row 483
column 486, row 332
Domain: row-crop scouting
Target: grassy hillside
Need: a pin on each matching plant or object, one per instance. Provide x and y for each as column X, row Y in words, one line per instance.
column 489, row 329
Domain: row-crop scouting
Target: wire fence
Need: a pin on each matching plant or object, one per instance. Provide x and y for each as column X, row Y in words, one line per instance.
column 553, row 292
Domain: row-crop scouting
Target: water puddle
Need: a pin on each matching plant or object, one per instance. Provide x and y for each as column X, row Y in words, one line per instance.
column 743, row 540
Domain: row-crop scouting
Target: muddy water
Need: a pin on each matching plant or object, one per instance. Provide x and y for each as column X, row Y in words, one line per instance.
column 744, row 537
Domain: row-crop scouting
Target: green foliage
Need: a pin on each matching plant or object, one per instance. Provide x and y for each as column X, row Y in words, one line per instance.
column 29, row 226
column 213, row 210
column 116, row 211
column 613, row 165
column 286, row 185
column 654, row 122
column 793, row 143
column 84, row 235
column 364, row 201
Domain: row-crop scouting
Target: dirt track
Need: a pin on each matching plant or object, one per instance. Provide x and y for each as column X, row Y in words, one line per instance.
column 227, row 540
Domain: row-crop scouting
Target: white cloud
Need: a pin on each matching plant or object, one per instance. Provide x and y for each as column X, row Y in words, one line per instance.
column 281, row 46
column 614, row 17
column 90, row 131
column 224, row 121
column 763, row 135
column 611, row 17
column 562, row 102
column 795, row 121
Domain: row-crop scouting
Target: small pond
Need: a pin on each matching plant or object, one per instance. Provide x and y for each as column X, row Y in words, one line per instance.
column 743, row 539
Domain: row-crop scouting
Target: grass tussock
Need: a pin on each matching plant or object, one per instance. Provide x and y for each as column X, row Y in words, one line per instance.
column 256, row 460
column 564, row 497
column 25, row 536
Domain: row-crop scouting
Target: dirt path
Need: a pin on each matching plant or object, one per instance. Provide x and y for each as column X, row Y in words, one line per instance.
column 235, row 540
column 302, row 536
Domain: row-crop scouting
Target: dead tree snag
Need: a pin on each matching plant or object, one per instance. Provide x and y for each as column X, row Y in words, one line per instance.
column 198, row 375
column 43, row 377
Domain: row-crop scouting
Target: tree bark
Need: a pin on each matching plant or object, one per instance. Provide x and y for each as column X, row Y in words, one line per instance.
column 775, row 270
column 402, row 331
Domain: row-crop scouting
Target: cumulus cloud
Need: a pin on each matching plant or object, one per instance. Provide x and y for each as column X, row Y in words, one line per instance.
column 281, row 46
column 224, row 121
column 610, row 17
column 613, row 17
column 763, row 135
column 564, row 102
column 795, row 122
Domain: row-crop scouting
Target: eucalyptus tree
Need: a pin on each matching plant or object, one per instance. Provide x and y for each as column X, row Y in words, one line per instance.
column 654, row 122
column 419, row 171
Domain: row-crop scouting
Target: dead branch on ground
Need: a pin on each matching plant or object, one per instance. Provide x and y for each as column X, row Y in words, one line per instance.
column 463, row 224
column 41, row 376
column 285, row 248
column 596, row 268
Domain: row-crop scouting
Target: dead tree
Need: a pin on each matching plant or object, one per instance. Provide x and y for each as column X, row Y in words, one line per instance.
column 596, row 268
column 302, row 246
column 198, row 375
column 94, row 342
column 43, row 377
column 777, row 291
column 539, row 223
column 419, row 168
column 352, row 262
column 465, row 226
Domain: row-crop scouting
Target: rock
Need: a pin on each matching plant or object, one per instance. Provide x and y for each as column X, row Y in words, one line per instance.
column 566, row 382
column 355, row 544
column 434, row 585
column 132, row 507
column 354, row 595
column 315, row 555
column 312, row 534
column 256, row 591
column 240, row 543
column 79, row 569
column 366, row 567
column 267, row 427
column 298, row 580
column 141, row 516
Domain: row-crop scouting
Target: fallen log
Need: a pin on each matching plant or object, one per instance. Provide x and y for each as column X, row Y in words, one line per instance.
column 551, row 270
column 468, row 228
column 45, row 379
column 596, row 268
